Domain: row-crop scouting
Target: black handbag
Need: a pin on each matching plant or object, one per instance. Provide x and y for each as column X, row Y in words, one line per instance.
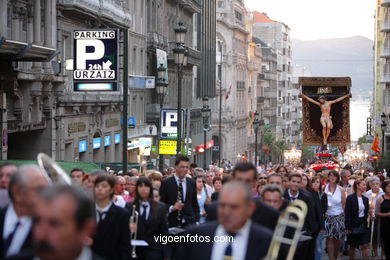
column 360, row 230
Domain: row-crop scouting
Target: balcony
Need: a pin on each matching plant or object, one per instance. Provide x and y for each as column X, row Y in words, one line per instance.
column 269, row 111
column 192, row 6
column 252, row 66
column 386, row 48
column 110, row 10
column 260, row 100
column 386, row 23
column 193, row 55
column 156, row 40
column 386, row 74
column 385, row 3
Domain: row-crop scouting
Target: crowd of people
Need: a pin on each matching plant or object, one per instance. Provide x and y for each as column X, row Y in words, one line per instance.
column 94, row 217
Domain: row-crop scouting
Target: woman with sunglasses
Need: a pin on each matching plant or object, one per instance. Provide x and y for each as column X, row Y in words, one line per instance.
column 152, row 221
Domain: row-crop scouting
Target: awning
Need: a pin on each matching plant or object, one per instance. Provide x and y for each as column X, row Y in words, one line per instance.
column 22, row 51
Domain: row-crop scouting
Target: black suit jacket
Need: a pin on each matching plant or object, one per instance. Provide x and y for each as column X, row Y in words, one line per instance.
column 352, row 211
column 155, row 225
column 311, row 225
column 168, row 193
column 26, row 243
column 258, row 242
column 112, row 237
column 264, row 215
column 29, row 255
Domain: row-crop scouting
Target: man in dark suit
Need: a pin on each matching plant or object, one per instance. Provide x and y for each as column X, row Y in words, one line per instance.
column 184, row 212
column 64, row 221
column 16, row 218
column 272, row 196
column 311, row 227
column 234, row 236
column 264, row 215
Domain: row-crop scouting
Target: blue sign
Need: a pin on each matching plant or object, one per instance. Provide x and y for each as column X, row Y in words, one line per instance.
column 141, row 82
column 131, row 121
column 82, row 146
column 95, row 57
column 117, row 138
column 96, row 143
column 107, row 140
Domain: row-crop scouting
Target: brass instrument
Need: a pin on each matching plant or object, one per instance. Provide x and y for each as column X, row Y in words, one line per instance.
column 134, row 220
column 53, row 173
column 292, row 217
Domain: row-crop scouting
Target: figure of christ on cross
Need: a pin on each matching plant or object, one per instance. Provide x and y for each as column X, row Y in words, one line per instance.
column 326, row 119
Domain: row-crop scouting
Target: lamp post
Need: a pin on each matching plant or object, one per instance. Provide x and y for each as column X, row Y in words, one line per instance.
column 220, row 104
column 266, row 129
column 180, row 60
column 206, row 114
column 256, row 124
column 161, row 88
column 383, row 127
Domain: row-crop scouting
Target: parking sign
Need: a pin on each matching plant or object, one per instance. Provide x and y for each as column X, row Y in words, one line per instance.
column 95, row 59
column 169, row 123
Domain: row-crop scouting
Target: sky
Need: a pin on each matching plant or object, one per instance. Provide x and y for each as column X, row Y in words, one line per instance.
column 320, row 19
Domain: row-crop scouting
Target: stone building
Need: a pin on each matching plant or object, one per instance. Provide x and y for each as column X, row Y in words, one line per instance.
column 41, row 112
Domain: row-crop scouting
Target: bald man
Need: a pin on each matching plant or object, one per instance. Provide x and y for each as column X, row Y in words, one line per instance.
column 238, row 236
column 16, row 218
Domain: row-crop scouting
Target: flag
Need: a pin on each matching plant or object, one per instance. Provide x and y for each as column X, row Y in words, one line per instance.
column 375, row 145
column 228, row 93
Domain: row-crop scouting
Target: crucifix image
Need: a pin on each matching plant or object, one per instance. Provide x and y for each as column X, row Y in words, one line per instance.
column 325, row 119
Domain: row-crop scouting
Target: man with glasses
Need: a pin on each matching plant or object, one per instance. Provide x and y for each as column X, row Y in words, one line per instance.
column 179, row 193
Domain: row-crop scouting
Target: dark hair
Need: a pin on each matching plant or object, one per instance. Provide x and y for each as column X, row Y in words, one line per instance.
column 244, row 167
column 271, row 188
column 84, row 207
column 181, row 159
column 193, row 165
column 275, row 175
column 217, row 179
column 281, row 167
column 140, row 182
column 385, row 184
column 335, row 174
column 294, row 174
column 310, row 184
column 77, row 170
column 109, row 179
column 226, row 179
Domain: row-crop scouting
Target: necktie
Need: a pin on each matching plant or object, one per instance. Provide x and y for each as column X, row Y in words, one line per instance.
column 293, row 198
column 229, row 250
column 181, row 189
column 102, row 215
column 8, row 241
column 143, row 215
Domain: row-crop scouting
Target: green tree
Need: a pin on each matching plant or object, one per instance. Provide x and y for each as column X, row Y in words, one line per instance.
column 308, row 154
column 363, row 140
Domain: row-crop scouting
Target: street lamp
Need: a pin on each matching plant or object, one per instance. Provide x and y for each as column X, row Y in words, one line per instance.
column 206, row 114
column 383, row 127
column 293, row 156
column 161, row 88
column 181, row 57
column 256, row 124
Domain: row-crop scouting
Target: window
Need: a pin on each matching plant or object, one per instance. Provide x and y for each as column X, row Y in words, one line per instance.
column 238, row 15
column 221, row 4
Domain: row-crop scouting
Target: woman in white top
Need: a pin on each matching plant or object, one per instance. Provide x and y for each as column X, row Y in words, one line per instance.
column 334, row 216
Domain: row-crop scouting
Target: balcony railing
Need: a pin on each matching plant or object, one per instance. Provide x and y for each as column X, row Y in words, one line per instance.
column 385, row 3
column 268, row 112
column 260, row 100
column 386, row 74
column 156, row 40
column 386, row 48
column 386, row 23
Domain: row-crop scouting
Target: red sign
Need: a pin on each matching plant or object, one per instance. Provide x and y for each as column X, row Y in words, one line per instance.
column 200, row 148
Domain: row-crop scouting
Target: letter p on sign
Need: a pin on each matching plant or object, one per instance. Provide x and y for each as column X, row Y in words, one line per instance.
column 83, row 55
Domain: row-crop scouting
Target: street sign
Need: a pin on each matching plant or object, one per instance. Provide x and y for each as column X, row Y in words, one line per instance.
column 131, row 121
column 95, row 60
column 167, row 147
column 168, row 123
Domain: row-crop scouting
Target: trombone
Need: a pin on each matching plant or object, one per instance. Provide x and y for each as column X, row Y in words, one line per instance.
column 292, row 217
column 134, row 220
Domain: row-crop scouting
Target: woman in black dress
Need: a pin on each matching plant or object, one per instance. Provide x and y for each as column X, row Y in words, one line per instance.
column 383, row 212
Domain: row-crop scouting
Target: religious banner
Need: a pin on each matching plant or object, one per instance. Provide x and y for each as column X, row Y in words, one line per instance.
column 325, row 108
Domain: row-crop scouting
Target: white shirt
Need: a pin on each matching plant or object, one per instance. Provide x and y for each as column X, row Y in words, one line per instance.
column 142, row 208
column 368, row 194
column 209, row 189
column 120, row 201
column 239, row 245
column 102, row 210
column 335, row 206
column 21, row 233
column 361, row 207
column 86, row 254
column 291, row 196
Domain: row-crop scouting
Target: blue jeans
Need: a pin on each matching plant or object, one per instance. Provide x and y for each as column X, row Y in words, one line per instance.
column 318, row 250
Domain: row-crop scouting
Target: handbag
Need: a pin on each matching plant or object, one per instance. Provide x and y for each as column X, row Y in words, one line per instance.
column 360, row 230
